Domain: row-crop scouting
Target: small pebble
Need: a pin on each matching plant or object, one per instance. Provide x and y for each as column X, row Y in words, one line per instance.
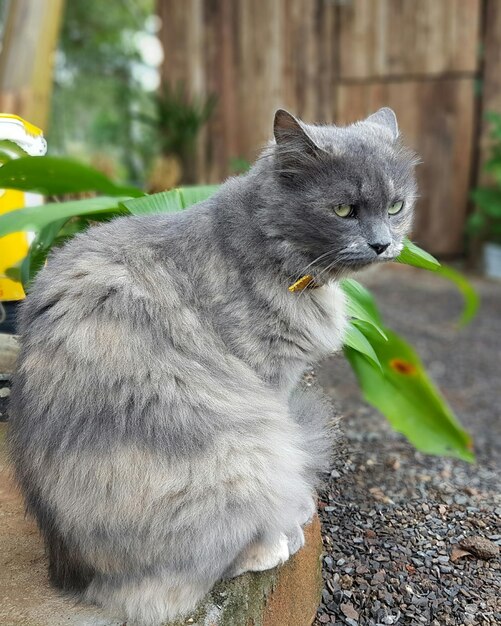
column 480, row 547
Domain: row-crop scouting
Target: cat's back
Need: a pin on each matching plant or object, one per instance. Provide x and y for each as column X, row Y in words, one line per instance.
column 129, row 262
column 108, row 325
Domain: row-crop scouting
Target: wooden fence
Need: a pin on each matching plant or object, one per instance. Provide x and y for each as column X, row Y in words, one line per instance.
column 337, row 61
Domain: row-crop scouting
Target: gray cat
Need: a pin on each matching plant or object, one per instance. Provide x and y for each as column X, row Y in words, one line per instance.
column 158, row 431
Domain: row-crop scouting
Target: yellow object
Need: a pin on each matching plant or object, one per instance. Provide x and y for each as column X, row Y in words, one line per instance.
column 305, row 282
column 31, row 129
column 14, row 247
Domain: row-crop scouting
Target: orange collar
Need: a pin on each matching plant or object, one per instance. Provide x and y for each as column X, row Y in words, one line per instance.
column 305, row 282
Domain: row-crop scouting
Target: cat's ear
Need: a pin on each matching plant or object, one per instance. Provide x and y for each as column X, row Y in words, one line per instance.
column 287, row 130
column 386, row 118
column 295, row 151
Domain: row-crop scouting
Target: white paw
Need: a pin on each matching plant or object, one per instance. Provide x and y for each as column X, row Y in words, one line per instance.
column 307, row 512
column 296, row 539
column 262, row 556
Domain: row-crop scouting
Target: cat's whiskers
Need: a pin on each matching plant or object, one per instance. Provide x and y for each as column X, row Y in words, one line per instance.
column 304, row 271
column 341, row 261
column 322, row 271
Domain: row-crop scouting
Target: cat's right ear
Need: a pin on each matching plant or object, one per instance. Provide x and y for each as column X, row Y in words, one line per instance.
column 295, row 150
column 288, row 130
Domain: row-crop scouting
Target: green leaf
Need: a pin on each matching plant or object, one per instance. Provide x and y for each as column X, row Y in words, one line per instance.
column 170, row 201
column 369, row 330
column 360, row 304
column 37, row 217
column 414, row 255
column 163, row 202
column 9, row 150
column 402, row 391
column 197, row 193
column 355, row 339
column 14, row 273
column 55, row 234
column 470, row 296
column 54, row 176
column 39, row 249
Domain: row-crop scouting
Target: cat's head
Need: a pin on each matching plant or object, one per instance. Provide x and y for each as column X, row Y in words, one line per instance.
column 344, row 195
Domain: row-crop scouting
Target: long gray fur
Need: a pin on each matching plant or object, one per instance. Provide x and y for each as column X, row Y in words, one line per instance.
column 158, row 430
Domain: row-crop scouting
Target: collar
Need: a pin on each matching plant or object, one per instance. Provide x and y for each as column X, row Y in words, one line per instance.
column 305, row 282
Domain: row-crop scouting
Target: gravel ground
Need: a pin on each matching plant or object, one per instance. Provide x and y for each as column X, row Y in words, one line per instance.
column 394, row 519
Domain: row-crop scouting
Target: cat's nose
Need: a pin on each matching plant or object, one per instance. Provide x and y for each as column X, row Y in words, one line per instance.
column 379, row 247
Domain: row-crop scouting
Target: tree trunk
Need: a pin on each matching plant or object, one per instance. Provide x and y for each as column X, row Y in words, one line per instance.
column 26, row 61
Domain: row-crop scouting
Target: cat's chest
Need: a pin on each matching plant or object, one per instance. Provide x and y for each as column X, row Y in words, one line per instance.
column 321, row 315
column 303, row 329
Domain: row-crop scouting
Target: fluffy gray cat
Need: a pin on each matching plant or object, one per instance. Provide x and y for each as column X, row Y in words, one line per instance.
column 159, row 432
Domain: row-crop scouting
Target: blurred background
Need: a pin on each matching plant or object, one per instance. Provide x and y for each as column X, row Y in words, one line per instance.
column 167, row 92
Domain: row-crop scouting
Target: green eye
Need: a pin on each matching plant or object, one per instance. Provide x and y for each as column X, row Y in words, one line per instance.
column 396, row 207
column 344, row 210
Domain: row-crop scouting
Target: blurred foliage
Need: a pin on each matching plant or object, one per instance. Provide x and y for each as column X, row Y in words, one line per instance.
column 239, row 165
column 179, row 118
column 485, row 223
column 96, row 91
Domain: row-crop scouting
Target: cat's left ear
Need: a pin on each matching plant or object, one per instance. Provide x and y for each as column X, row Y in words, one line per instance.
column 386, row 118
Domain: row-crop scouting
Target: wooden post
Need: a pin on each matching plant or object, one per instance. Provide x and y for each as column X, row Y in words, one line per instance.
column 26, row 60
column 491, row 79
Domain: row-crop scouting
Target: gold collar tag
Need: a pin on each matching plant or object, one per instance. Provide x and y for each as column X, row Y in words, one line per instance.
column 305, row 282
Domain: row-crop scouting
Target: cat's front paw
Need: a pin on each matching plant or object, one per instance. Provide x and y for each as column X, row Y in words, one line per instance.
column 261, row 556
column 307, row 511
column 295, row 539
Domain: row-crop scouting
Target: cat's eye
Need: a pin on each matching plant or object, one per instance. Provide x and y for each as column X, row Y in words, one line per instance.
column 344, row 210
column 396, row 207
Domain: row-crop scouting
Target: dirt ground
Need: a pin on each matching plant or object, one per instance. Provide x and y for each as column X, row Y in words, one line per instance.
column 392, row 517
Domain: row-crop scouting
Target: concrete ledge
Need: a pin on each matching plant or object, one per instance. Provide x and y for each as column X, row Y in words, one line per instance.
column 287, row 596
column 9, row 349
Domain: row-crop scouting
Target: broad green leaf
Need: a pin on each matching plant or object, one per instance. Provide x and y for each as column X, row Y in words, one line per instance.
column 360, row 304
column 414, row 255
column 197, row 193
column 355, row 339
column 163, row 202
column 368, row 330
column 470, row 296
column 37, row 217
column 170, row 201
column 402, row 391
column 54, row 176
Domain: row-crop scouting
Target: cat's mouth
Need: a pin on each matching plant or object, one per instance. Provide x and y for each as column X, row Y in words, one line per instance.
column 336, row 264
column 358, row 264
